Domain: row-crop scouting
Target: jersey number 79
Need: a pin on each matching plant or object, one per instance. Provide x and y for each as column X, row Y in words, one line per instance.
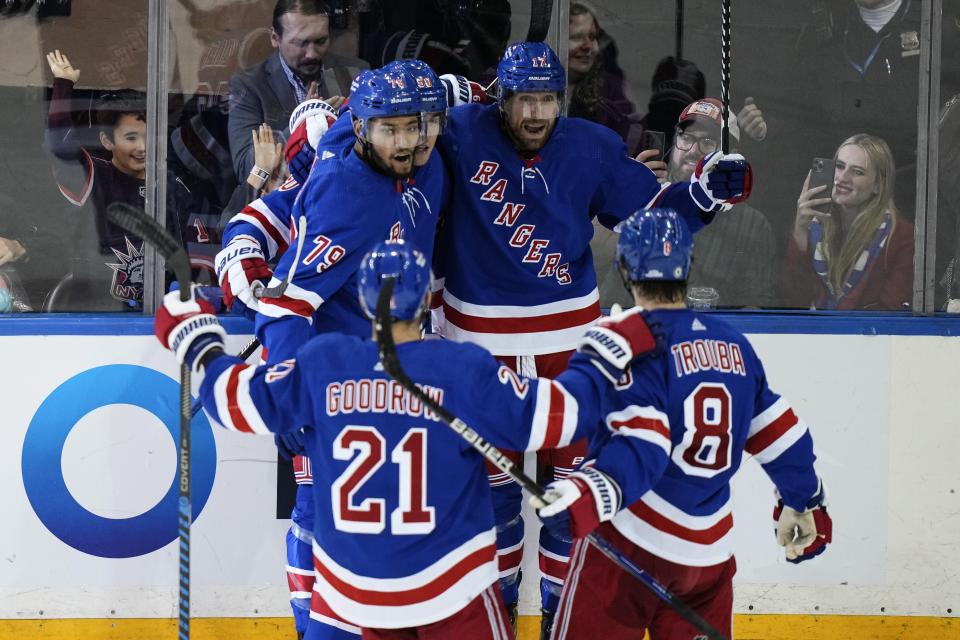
column 366, row 447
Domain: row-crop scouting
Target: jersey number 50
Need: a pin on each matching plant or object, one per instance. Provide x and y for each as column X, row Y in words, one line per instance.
column 366, row 447
column 707, row 420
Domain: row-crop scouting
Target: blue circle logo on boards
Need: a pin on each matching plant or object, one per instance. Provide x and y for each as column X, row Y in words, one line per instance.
column 43, row 472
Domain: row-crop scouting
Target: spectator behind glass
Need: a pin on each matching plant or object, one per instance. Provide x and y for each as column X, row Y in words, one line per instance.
column 268, row 92
column 733, row 255
column 30, row 257
column 596, row 87
column 105, row 262
column 851, row 250
column 859, row 63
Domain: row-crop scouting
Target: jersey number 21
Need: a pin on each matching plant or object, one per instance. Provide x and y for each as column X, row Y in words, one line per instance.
column 366, row 447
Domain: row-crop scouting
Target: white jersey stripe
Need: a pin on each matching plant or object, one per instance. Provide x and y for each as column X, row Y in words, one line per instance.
column 524, row 344
column 768, row 416
column 781, row 444
column 244, row 402
column 513, row 311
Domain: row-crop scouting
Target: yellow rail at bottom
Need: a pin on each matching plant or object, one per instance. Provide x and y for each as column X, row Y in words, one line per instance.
column 745, row 627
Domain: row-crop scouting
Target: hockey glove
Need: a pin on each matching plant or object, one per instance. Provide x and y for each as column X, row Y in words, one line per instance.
column 462, row 91
column 291, row 444
column 721, row 181
column 242, row 272
column 189, row 329
column 578, row 504
column 804, row 534
column 308, row 122
column 615, row 341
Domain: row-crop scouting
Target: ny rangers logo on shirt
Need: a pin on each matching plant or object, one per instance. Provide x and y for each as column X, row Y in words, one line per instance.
column 127, row 281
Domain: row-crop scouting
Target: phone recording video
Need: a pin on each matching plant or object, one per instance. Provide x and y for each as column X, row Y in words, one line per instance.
column 821, row 175
column 654, row 140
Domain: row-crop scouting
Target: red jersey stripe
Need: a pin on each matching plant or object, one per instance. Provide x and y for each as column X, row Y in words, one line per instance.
column 555, row 412
column 268, row 227
column 640, row 422
column 300, row 307
column 709, row 535
column 236, row 415
column 426, row 592
column 771, row 433
column 528, row 324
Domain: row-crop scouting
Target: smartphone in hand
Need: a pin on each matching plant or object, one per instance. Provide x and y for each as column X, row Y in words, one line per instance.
column 654, row 140
column 821, row 175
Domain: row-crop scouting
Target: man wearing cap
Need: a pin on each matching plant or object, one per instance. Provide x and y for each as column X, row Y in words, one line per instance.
column 733, row 255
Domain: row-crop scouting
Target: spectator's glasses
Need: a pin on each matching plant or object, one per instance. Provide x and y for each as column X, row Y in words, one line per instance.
column 685, row 141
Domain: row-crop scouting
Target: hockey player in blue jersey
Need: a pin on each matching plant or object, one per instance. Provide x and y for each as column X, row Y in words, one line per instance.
column 356, row 195
column 527, row 183
column 678, row 426
column 404, row 534
column 256, row 236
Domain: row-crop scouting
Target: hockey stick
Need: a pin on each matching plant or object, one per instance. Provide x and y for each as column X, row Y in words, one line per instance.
column 274, row 292
column 391, row 364
column 138, row 223
column 725, row 38
column 540, row 11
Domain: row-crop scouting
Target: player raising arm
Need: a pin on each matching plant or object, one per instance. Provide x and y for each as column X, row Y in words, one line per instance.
column 404, row 533
column 677, row 430
column 527, row 183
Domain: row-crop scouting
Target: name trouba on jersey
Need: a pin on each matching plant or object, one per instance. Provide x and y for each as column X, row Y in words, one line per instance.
column 522, row 237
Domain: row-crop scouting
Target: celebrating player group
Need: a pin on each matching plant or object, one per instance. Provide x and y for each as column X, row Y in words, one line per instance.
column 477, row 211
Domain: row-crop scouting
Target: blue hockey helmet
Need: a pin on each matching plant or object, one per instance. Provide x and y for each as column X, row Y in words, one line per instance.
column 396, row 90
column 530, row 66
column 655, row 244
column 407, row 266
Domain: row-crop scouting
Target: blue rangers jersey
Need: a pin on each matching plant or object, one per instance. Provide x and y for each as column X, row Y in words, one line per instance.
column 677, row 429
column 518, row 274
column 404, row 529
column 349, row 208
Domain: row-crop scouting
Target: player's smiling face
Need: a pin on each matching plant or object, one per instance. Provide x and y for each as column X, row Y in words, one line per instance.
column 128, row 145
column 395, row 143
column 531, row 117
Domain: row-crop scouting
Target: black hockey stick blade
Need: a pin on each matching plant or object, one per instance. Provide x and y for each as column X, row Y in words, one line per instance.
column 540, row 14
column 139, row 223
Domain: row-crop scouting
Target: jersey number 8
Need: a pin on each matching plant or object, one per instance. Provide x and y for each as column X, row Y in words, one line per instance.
column 707, row 420
column 366, row 447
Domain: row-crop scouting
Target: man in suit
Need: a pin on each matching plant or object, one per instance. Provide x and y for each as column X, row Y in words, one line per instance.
column 269, row 91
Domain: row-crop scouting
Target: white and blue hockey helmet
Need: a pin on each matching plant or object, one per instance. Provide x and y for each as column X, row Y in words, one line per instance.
column 411, row 273
column 655, row 244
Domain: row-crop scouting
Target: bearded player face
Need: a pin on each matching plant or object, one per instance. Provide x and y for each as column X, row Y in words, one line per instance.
column 530, row 117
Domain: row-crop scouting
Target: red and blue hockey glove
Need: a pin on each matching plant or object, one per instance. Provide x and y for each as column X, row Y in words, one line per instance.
column 308, row 122
column 804, row 534
column 578, row 504
column 189, row 329
column 291, row 443
column 462, row 91
column 615, row 341
column 242, row 272
column 721, row 181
